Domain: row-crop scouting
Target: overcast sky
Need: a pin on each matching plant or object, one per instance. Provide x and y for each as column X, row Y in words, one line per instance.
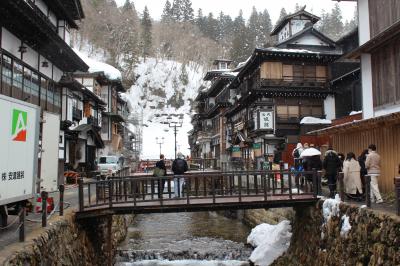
column 232, row 7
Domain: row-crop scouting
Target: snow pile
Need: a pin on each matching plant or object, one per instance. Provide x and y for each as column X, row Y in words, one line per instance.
column 345, row 226
column 355, row 112
column 159, row 87
column 95, row 66
column 187, row 263
column 309, row 120
column 274, row 49
column 330, row 208
column 271, row 241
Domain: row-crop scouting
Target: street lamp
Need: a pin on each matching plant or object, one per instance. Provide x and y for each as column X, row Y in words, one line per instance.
column 175, row 125
column 160, row 142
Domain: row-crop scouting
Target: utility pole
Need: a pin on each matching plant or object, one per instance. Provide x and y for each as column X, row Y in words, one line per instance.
column 175, row 125
column 160, row 142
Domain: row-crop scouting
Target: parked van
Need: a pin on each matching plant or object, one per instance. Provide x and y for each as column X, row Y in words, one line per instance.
column 109, row 165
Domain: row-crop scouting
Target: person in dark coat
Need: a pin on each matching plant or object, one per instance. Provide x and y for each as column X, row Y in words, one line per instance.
column 363, row 171
column 332, row 165
column 179, row 167
column 310, row 163
column 161, row 165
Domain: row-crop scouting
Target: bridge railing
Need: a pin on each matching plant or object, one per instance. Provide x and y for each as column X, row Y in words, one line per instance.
column 238, row 185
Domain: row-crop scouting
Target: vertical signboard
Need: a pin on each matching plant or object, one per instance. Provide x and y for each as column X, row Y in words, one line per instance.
column 19, row 137
column 266, row 120
column 49, row 155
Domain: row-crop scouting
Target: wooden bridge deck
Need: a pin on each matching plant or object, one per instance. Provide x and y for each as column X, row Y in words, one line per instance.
column 203, row 192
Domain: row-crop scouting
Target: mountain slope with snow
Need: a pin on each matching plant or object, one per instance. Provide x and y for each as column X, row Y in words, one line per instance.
column 164, row 88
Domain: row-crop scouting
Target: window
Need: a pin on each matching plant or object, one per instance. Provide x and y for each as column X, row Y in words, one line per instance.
column 43, row 93
column 17, row 81
column 6, row 75
column 57, row 100
column 35, row 88
column 50, row 97
column 27, row 85
column 288, row 111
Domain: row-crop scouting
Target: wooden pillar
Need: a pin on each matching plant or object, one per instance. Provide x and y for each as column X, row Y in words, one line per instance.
column 109, row 240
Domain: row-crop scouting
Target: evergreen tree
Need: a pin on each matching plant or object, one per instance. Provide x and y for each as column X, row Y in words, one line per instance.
column 297, row 7
column 177, row 10
column 200, row 21
column 166, row 16
column 282, row 14
column 253, row 30
column 331, row 23
column 266, row 27
column 184, row 77
column 146, row 38
column 187, row 11
column 212, row 27
column 241, row 47
column 353, row 23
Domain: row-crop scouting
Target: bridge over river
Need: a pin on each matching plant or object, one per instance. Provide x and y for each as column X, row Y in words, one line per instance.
column 202, row 191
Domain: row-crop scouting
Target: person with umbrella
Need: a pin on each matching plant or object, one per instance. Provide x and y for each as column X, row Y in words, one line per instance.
column 311, row 160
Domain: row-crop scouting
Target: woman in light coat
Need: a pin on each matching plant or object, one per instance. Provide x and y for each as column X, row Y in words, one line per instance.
column 352, row 178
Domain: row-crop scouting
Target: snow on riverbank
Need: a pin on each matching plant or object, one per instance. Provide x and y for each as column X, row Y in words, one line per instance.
column 270, row 242
column 186, row 263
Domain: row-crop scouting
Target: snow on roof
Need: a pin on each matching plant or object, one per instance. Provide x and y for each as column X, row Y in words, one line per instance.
column 309, row 120
column 234, row 74
column 95, row 66
column 274, row 49
column 243, row 63
column 355, row 112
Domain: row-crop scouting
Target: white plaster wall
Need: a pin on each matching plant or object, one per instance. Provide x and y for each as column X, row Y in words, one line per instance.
column 298, row 25
column 57, row 73
column 61, row 145
column 366, row 83
column 31, row 58
column 47, row 71
column 42, row 6
column 10, row 42
column 310, row 39
column 329, row 107
column 363, row 22
column 284, row 33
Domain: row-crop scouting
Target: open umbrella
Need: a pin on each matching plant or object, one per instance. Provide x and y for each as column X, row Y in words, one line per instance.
column 310, row 152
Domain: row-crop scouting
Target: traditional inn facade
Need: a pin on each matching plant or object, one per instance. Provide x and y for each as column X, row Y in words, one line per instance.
column 379, row 53
column 35, row 54
column 270, row 94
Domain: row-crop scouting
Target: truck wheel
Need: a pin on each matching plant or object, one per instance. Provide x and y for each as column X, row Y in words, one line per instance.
column 3, row 216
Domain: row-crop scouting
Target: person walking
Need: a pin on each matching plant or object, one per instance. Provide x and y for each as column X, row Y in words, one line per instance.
column 332, row 164
column 296, row 153
column 160, row 171
column 352, row 176
column 179, row 167
column 363, row 170
column 373, row 165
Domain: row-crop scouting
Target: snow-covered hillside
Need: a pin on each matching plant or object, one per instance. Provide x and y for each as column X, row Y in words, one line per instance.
column 164, row 88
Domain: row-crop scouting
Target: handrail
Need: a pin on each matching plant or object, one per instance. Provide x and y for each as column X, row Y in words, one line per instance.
column 259, row 185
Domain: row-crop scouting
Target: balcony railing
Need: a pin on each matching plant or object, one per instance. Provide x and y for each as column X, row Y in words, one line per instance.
column 41, row 14
column 76, row 113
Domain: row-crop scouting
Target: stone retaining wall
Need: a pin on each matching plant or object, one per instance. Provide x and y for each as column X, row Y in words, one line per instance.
column 374, row 238
column 67, row 242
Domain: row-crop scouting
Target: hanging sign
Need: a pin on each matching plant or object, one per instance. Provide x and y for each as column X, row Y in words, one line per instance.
column 266, row 120
column 236, row 152
column 257, row 149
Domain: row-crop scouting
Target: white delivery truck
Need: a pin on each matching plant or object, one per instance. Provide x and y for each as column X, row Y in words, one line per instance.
column 19, row 140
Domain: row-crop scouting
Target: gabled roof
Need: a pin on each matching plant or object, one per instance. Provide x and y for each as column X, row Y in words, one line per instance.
column 314, row 19
column 312, row 31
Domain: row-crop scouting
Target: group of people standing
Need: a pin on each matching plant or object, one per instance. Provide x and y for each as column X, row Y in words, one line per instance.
column 179, row 167
column 354, row 169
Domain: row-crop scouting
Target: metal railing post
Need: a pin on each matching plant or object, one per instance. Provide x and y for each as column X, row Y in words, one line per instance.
column 22, row 224
column 61, row 188
column 397, row 188
column 368, row 190
column 110, row 193
column 44, row 196
column 341, row 186
column 80, row 184
column 290, row 183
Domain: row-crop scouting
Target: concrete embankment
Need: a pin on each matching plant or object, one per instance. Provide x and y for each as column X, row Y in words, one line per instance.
column 68, row 242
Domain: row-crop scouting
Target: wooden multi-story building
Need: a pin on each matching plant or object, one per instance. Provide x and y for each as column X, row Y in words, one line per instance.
column 208, row 139
column 35, row 54
column 379, row 53
column 279, row 86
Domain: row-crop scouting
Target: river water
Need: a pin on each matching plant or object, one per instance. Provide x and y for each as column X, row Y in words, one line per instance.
column 183, row 239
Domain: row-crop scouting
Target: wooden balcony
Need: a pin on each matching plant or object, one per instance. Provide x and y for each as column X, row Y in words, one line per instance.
column 76, row 114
